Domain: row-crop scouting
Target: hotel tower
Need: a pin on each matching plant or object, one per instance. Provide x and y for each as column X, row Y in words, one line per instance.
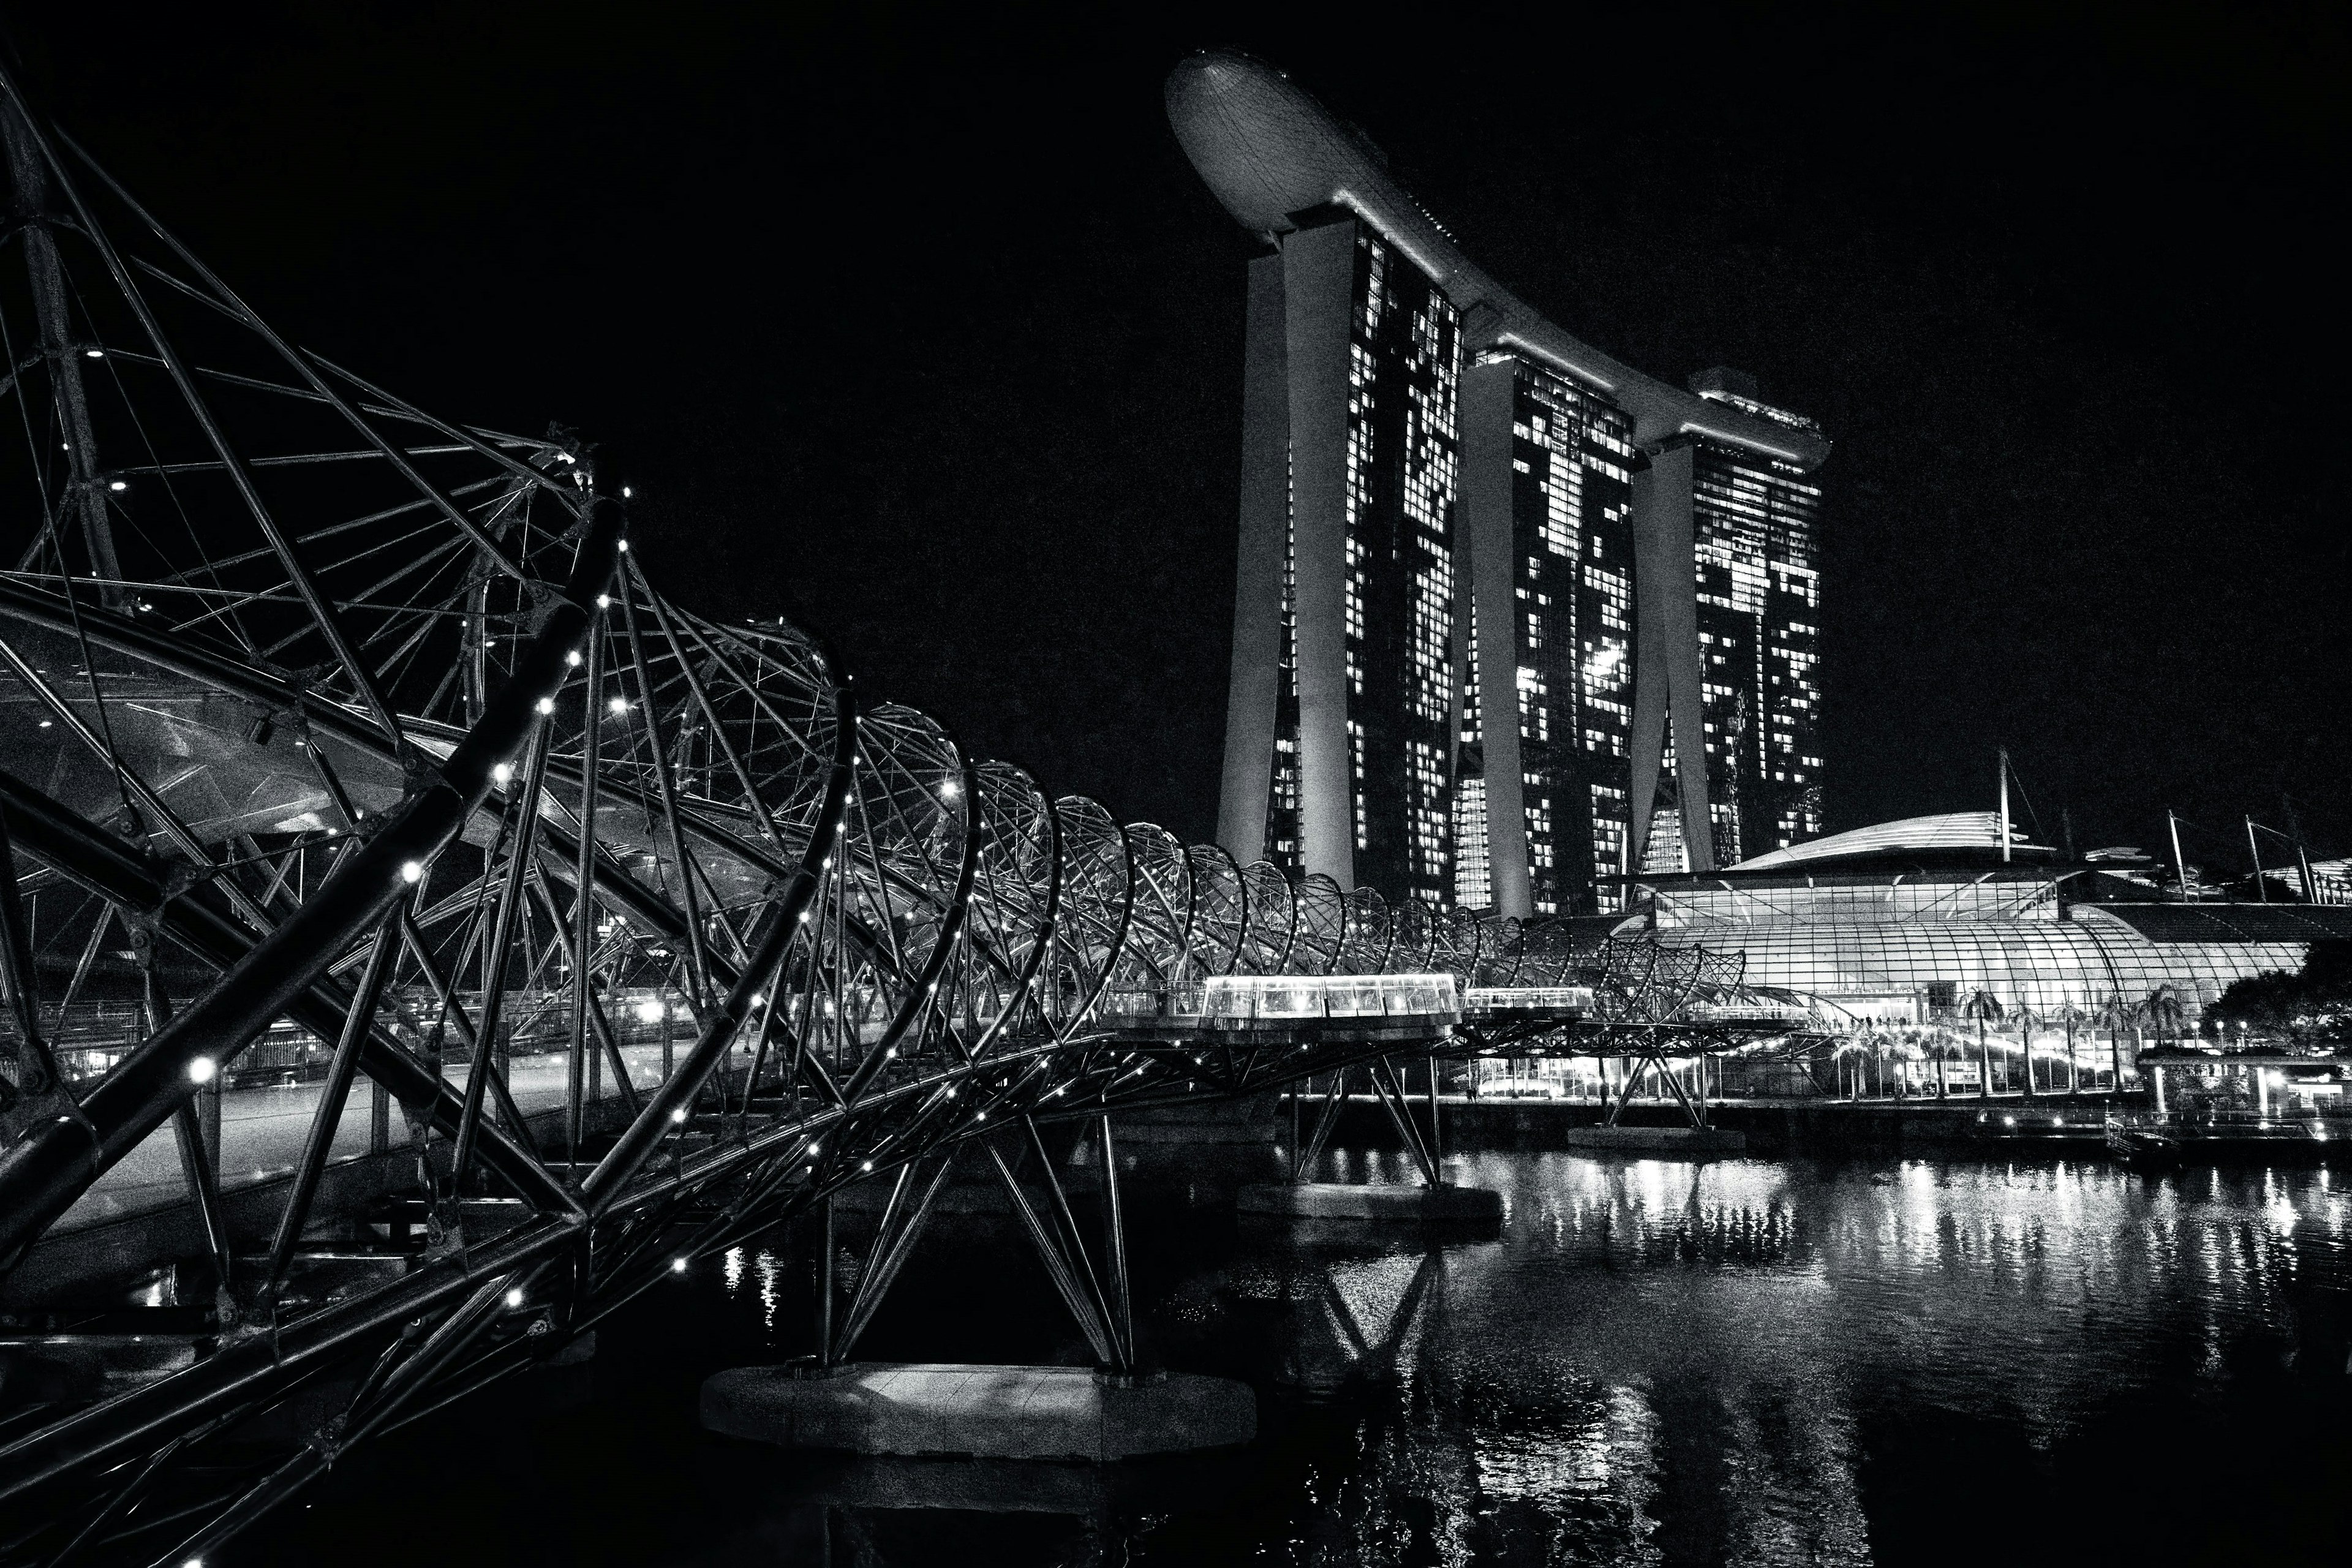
column 1494, row 588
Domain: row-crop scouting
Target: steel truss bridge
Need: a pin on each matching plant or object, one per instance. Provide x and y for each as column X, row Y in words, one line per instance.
column 329, row 719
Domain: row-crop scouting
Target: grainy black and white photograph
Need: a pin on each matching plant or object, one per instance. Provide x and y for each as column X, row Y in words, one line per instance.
column 866, row 786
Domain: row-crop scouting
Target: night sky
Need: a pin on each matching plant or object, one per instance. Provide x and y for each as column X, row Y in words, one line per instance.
column 919, row 329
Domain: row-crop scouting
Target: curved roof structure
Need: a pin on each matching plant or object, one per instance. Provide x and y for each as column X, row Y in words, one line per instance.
column 1268, row 150
column 1955, row 830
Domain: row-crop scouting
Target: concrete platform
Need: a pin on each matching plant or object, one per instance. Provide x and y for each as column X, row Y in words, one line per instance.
column 1657, row 1140
column 1395, row 1204
column 981, row 1411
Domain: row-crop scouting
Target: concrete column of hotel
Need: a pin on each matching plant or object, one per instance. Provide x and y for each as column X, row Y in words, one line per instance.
column 1319, row 268
column 1256, row 681
column 1665, row 652
column 1482, row 520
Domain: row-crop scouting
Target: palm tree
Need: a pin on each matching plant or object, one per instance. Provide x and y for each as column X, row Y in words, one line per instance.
column 2165, row 1012
column 1939, row 1046
column 2116, row 1014
column 2069, row 1016
column 1983, row 1007
column 2027, row 1020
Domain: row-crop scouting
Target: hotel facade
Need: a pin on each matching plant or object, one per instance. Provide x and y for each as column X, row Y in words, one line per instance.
column 1512, row 620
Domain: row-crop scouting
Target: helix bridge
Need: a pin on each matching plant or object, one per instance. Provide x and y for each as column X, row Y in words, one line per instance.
column 352, row 748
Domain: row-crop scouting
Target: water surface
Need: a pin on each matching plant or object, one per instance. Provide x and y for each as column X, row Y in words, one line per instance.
column 1652, row 1362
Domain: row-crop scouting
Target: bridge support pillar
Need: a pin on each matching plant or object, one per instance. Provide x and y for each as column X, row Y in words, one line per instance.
column 1112, row 1411
column 1435, row 1201
column 980, row 1412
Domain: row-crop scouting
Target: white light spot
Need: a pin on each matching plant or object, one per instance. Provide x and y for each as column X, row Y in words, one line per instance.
column 650, row 1011
column 93, row 353
column 514, row 1297
column 865, row 1165
column 412, row 872
column 604, row 601
column 624, row 495
column 202, row 1069
column 116, row 485
column 625, row 544
column 572, row 657
column 501, row 772
column 547, row 704
column 678, row 1266
column 679, row 1115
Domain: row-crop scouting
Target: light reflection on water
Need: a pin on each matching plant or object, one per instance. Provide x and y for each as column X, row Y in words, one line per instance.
column 1740, row 1361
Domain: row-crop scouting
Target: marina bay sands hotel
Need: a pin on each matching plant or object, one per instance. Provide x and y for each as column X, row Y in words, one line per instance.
column 1513, row 619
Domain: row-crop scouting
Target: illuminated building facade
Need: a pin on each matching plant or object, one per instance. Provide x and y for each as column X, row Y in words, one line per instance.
column 1548, row 549
column 1927, row 912
column 1759, row 596
column 1348, row 543
column 1492, row 584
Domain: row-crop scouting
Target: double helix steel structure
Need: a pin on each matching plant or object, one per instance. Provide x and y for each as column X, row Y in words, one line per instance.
column 339, row 730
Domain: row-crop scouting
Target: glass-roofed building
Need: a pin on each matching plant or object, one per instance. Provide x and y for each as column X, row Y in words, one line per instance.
column 1910, row 919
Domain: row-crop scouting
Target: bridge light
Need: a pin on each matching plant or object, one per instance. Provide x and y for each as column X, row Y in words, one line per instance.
column 678, row 1266
column 679, row 1115
column 865, row 1165
column 412, row 872
column 624, row 495
column 572, row 657
column 950, row 790
column 547, row 704
column 93, row 353
column 514, row 1297
column 117, row 485
column 500, row 773
column 604, row 601
column 625, row 547
column 202, row 1069
column 619, row 705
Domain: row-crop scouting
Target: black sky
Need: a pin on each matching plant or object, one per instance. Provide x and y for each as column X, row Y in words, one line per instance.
column 918, row 328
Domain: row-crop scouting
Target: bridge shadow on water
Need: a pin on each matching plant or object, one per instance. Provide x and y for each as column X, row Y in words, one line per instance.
column 1650, row 1362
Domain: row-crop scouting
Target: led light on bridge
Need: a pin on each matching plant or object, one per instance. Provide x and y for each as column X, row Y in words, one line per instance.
column 202, row 1069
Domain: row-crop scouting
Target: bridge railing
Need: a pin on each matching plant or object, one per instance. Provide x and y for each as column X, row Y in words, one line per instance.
column 1483, row 1000
column 1272, row 999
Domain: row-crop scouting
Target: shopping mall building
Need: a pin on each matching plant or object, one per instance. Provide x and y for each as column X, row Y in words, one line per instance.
column 1905, row 921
